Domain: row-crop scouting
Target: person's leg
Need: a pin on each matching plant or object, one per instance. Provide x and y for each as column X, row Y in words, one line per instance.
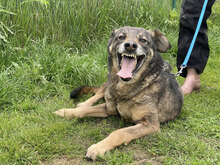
column 190, row 12
column 192, row 82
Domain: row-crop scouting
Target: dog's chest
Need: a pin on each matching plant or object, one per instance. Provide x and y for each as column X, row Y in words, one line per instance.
column 124, row 109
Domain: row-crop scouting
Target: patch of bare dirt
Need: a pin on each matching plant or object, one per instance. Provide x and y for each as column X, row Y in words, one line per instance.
column 142, row 157
column 64, row 161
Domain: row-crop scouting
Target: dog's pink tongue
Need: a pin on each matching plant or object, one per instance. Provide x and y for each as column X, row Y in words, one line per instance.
column 126, row 68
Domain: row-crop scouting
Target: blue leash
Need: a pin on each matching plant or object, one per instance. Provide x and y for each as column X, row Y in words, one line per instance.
column 184, row 64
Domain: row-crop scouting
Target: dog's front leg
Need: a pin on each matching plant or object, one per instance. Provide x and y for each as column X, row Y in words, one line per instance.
column 121, row 136
column 85, row 111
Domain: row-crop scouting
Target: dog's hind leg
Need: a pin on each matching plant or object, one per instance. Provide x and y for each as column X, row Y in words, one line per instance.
column 85, row 111
column 121, row 136
column 92, row 100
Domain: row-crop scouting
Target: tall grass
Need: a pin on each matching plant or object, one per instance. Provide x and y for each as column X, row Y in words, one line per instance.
column 32, row 69
column 79, row 22
column 40, row 72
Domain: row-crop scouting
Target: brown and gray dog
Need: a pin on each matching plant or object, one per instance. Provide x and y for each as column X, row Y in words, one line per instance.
column 140, row 88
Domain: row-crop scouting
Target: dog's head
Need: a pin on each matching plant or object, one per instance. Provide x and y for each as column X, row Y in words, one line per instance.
column 131, row 48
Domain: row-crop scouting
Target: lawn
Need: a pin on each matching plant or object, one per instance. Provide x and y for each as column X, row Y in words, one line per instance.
column 48, row 48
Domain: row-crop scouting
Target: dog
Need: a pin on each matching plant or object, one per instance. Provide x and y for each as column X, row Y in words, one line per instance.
column 140, row 88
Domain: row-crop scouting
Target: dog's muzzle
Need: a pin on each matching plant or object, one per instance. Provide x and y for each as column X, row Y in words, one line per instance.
column 129, row 64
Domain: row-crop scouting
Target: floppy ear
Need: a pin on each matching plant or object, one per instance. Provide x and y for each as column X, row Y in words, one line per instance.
column 111, row 39
column 160, row 40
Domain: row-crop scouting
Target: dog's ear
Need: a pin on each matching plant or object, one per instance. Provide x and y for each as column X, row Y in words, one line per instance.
column 112, row 35
column 160, row 40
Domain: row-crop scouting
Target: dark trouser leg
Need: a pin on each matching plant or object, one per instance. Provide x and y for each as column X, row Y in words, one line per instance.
column 189, row 16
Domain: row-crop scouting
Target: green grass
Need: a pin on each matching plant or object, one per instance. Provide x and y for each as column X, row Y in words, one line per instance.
column 65, row 48
column 88, row 20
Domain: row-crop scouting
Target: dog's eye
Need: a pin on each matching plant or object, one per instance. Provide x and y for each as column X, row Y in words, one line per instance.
column 143, row 40
column 121, row 37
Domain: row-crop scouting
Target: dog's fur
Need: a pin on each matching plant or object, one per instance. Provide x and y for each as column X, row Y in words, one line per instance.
column 148, row 96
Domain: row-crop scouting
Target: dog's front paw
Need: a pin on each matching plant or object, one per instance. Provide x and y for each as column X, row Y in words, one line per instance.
column 94, row 150
column 63, row 112
column 67, row 113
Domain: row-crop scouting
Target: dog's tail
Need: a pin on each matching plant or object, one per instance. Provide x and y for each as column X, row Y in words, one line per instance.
column 83, row 90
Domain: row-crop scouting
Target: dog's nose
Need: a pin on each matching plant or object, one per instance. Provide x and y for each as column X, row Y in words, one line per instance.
column 131, row 46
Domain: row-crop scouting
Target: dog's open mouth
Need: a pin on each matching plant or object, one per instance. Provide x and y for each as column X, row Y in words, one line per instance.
column 129, row 64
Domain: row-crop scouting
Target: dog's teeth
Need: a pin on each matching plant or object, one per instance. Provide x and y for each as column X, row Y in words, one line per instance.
column 129, row 55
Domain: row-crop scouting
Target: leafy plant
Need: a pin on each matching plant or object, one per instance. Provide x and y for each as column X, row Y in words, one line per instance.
column 173, row 18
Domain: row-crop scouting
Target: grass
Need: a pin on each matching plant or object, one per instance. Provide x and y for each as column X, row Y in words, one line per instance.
column 85, row 19
column 65, row 47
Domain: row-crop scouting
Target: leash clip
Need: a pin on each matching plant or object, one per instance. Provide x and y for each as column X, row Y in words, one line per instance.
column 180, row 71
